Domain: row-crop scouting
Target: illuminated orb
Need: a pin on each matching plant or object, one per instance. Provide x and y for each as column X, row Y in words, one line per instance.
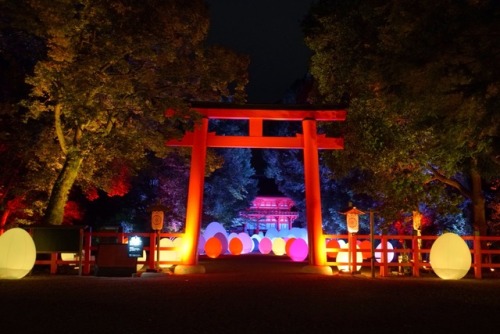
column 213, row 247
column 341, row 242
column 299, row 232
column 265, row 245
column 247, row 242
column 288, row 244
column 142, row 266
column 343, row 257
column 366, row 247
column 279, row 246
column 223, row 241
column 298, row 250
column 166, row 255
column 235, row 246
column 332, row 244
column 17, row 253
column 390, row 255
column 450, row 257
column 178, row 251
column 214, row 228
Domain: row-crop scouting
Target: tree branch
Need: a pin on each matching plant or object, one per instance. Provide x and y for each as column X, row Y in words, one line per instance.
column 450, row 182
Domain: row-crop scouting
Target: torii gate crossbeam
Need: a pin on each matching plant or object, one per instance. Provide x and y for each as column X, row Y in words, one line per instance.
column 309, row 141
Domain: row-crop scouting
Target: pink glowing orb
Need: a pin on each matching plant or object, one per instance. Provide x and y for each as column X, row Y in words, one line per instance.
column 331, row 254
column 213, row 247
column 265, row 245
column 235, row 246
column 298, row 250
column 279, row 246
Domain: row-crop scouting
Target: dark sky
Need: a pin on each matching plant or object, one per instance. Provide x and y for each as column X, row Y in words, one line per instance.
column 269, row 32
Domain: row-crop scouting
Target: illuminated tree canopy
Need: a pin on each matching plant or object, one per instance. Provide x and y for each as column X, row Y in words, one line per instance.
column 421, row 82
column 111, row 70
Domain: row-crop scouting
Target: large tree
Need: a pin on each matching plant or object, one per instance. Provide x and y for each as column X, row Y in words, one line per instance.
column 111, row 70
column 421, row 81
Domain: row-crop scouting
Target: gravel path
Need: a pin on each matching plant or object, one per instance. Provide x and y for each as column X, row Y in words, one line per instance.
column 248, row 294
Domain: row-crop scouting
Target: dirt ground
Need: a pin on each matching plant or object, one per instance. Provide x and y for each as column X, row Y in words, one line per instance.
column 249, row 294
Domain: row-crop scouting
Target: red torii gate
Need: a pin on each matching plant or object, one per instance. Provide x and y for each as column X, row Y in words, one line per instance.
column 309, row 141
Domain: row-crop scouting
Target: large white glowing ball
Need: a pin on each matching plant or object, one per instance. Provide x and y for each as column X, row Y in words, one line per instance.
column 298, row 250
column 265, row 245
column 450, row 257
column 17, row 253
column 178, row 248
column 343, row 257
column 379, row 255
column 341, row 242
column 213, row 248
column 235, row 246
column 279, row 245
column 214, row 228
column 223, row 241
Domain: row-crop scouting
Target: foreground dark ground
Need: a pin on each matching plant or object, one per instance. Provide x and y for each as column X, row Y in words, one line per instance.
column 248, row 294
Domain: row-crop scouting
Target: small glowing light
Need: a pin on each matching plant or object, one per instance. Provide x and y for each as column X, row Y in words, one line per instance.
column 279, row 245
column 379, row 255
column 17, row 253
column 265, row 245
column 298, row 250
column 213, row 247
column 135, row 241
column 235, row 246
column 450, row 257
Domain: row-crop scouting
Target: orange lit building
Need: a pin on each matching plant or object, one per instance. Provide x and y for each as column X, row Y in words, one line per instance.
column 269, row 211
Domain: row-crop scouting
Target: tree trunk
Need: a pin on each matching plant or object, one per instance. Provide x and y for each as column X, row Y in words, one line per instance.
column 54, row 213
column 478, row 203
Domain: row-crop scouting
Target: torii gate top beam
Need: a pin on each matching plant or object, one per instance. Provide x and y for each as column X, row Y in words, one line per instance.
column 269, row 112
column 256, row 114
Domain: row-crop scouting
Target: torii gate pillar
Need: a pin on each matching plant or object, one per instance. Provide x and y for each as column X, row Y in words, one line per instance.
column 194, row 206
column 317, row 255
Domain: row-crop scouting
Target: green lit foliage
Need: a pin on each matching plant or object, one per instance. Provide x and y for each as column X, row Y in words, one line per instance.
column 421, row 82
column 111, row 70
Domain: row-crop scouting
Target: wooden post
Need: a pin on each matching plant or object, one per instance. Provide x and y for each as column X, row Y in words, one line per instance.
column 317, row 254
column 478, row 267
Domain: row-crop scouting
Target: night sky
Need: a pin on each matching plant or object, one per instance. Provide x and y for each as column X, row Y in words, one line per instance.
column 269, row 32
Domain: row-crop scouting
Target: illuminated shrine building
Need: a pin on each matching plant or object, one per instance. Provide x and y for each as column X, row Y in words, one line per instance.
column 268, row 212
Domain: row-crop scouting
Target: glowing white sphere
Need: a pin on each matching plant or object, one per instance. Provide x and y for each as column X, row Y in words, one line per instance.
column 214, row 228
column 247, row 242
column 17, row 253
column 379, row 255
column 450, row 257
column 343, row 257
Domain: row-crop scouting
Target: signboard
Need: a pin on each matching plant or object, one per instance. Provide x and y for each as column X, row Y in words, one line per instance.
column 135, row 247
column 157, row 220
column 352, row 222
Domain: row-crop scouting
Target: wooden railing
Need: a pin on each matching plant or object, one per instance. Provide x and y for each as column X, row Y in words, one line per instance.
column 414, row 252
column 416, row 248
